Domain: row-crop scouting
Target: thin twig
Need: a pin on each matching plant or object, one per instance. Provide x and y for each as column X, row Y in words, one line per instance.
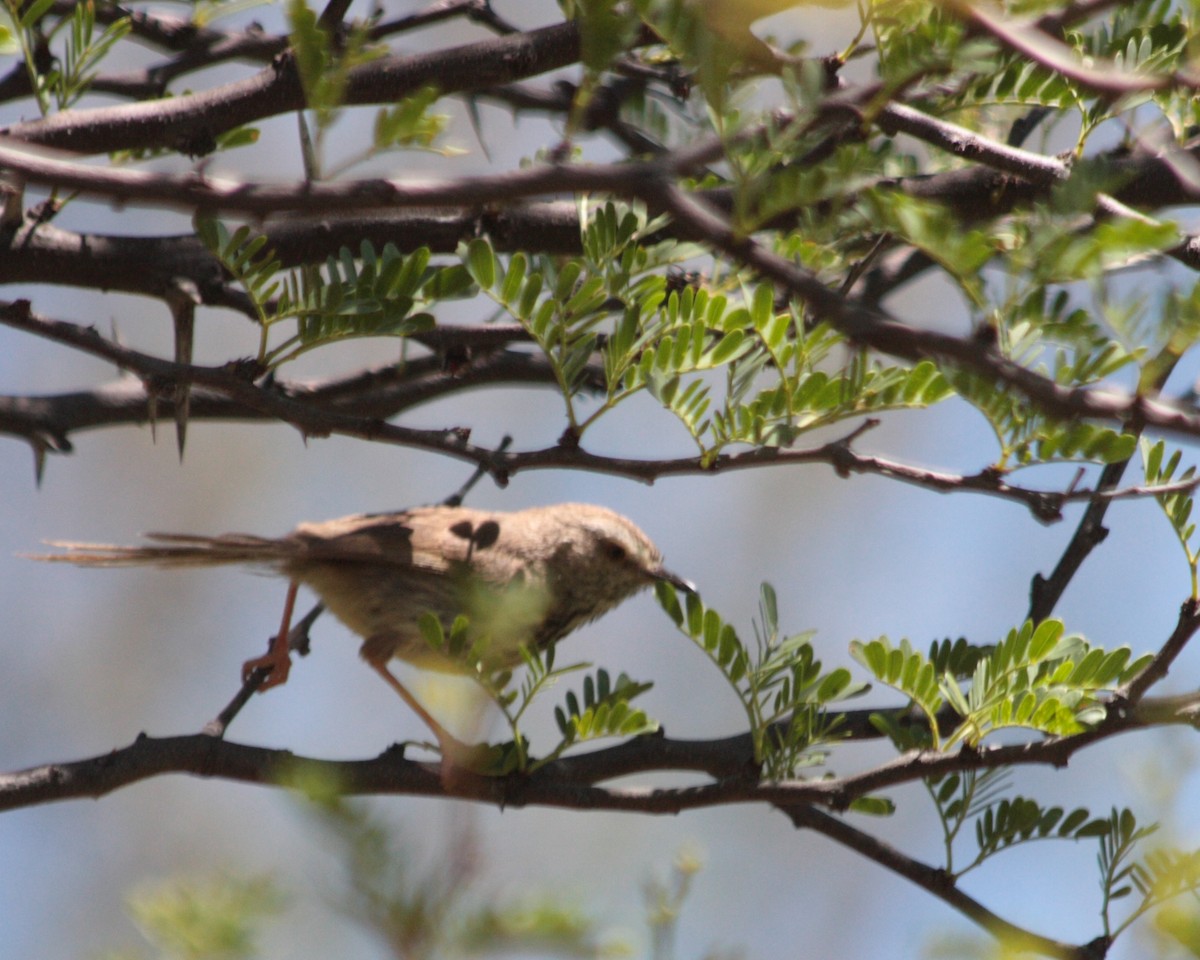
column 298, row 642
column 1156, row 669
column 936, row 882
column 455, row 499
column 310, row 410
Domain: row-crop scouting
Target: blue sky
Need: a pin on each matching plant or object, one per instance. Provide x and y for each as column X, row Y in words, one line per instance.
column 92, row 658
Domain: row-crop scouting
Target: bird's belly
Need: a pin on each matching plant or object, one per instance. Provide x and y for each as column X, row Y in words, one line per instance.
column 373, row 599
column 384, row 605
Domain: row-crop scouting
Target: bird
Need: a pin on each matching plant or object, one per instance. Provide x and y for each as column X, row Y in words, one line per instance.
column 522, row 579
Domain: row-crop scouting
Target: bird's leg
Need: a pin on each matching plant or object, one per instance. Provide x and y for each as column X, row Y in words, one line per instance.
column 456, row 755
column 378, row 660
column 277, row 661
column 298, row 640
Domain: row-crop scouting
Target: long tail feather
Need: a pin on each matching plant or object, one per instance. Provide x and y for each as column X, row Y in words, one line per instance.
column 174, row 550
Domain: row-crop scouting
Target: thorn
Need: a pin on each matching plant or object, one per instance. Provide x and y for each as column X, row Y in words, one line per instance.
column 42, row 443
column 477, row 126
column 182, row 297
column 1074, row 484
column 181, row 425
column 152, row 412
column 455, row 499
column 115, row 336
column 39, row 461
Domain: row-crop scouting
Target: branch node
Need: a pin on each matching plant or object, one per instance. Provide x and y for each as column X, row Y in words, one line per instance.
column 569, row 439
column 244, row 368
column 1047, row 507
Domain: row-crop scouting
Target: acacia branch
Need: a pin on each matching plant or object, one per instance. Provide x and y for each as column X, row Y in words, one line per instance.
column 577, row 781
column 466, row 208
column 1156, row 669
column 572, row 782
column 358, row 406
column 971, row 145
column 1145, row 180
column 46, row 254
column 372, row 394
column 868, row 325
column 191, row 123
column 1102, row 77
column 237, row 381
column 565, row 784
column 198, row 47
column 1044, row 592
column 197, row 191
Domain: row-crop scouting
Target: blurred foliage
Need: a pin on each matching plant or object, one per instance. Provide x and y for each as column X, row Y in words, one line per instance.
column 83, row 46
column 602, row 711
column 215, row 918
column 415, row 907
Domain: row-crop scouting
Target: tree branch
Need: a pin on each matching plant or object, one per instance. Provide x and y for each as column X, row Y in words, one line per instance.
column 571, row 782
column 936, row 882
column 358, row 405
column 1156, row 669
column 191, row 123
column 868, row 325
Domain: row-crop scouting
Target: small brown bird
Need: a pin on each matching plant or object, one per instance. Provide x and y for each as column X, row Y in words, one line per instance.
column 526, row 578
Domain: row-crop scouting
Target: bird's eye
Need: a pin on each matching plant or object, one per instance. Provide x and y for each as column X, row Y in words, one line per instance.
column 614, row 551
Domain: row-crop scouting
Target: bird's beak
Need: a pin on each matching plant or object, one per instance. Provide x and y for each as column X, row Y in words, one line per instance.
column 666, row 576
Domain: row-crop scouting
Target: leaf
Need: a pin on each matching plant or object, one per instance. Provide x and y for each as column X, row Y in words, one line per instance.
column 604, row 710
column 732, row 345
column 873, row 806
column 481, row 263
column 668, row 599
column 431, row 630
column 514, row 278
column 33, row 12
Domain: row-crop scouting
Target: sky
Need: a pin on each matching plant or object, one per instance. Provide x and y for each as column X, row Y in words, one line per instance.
column 89, row 659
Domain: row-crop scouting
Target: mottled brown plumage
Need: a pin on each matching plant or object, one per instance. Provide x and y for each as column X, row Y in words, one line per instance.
column 523, row 578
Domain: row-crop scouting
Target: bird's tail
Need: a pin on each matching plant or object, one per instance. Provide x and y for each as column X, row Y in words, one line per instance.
column 176, row 550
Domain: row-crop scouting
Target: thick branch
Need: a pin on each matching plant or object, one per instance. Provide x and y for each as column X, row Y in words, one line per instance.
column 571, row 782
column 868, row 325
column 358, row 405
column 197, row 47
column 191, row 123
column 44, row 253
column 372, row 394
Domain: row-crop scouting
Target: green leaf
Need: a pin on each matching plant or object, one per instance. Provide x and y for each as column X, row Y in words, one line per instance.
column 733, row 344
column 481, row 263
column 695, row 616
column 445, row 283
column 33, row 12
column 514, row 278
column 668, row 599
column 604, row 711
column 873, row 806
column 431, row 630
